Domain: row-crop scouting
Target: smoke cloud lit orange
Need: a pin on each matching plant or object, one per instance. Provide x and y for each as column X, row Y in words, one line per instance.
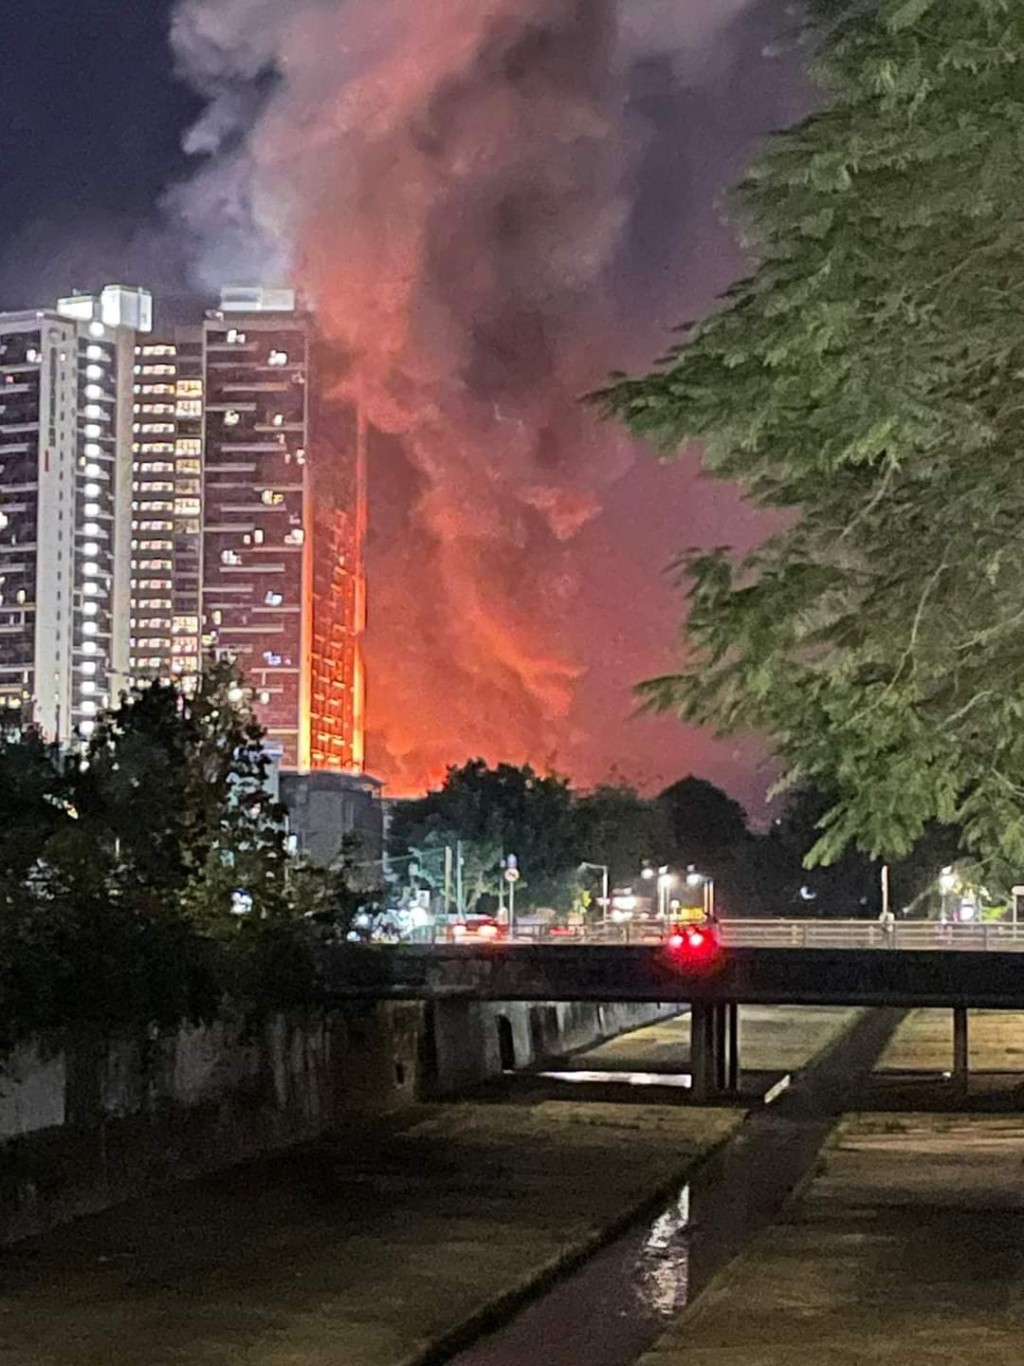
column 452, row 184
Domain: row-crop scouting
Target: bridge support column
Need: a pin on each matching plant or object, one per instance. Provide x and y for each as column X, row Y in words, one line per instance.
column 721, row 1049
column 960, row 1046
column 714, row 1050
column 701, row 1024
column 732, row 1080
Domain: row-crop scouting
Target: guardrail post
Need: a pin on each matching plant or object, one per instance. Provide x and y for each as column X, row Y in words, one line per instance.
column 960, row 1046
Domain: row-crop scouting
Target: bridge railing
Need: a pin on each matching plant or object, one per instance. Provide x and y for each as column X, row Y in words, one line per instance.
column 809, row 934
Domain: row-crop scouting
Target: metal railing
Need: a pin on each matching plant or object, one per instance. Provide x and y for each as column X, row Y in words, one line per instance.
column 989, row 936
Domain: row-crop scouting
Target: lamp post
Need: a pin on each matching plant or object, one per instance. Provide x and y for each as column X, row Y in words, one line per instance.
column 707, row 885
column 947, row 882
column 601, row 868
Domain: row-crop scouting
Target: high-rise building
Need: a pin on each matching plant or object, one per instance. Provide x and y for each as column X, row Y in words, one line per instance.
column 167, row 506
column 283, row 514
column 65, row 505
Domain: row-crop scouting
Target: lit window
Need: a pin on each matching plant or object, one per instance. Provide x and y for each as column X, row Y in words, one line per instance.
column 87, row 727
column 269, row 657
column 95, row 353
column 92, row 490
column 91, row 448
column 189, row 388
column 89, row 668
column 230, row 557
column 94, row 391
column 91, row 529
column 93, row 410
column 90, row 609
column 295, row 537
column 90, row 548
column 97, row 330
column 264, row 697
column 89, row 628
column 91, row 590
column 92, row 509
column 218, row 617
column 189, row 445
column 273, row 599
column 90, row 569
column 278, row 419
column 94, row 471
column 189, row 407
column 94, row 372
column 91, row 429
column 278, row 358
column 89, row 708
column 232, row 418
column 271, row 498
column 235, row 338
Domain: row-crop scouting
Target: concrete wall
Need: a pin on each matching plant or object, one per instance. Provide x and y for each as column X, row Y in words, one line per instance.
column 87, row 1122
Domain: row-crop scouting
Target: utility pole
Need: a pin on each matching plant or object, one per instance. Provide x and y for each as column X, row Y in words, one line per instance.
column 448, row 880
column 459, row 908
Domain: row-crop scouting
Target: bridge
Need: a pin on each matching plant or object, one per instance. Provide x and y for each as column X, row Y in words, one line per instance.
column 951, row 970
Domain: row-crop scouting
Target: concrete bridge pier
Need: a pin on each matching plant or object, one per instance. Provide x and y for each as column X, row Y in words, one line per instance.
column 714, row 1049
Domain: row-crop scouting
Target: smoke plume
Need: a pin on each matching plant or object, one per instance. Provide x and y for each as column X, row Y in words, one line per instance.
column 452, row 184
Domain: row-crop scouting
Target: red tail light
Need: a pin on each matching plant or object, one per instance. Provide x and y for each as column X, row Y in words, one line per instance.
column 694, row 943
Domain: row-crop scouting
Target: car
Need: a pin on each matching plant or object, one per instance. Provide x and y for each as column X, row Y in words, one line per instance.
column 477, row 927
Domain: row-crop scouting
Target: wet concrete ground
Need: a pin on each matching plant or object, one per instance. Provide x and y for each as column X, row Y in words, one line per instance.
column 908, row 1247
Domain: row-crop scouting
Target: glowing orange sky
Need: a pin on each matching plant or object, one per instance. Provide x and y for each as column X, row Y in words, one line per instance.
column 491, row 204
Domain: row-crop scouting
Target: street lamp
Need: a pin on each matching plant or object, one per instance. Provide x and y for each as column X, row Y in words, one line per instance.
column 665, row 881
column 601, row 868
column 947, row 883
column 707, row 885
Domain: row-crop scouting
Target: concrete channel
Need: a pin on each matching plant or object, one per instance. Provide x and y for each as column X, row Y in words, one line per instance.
column 619, row 1302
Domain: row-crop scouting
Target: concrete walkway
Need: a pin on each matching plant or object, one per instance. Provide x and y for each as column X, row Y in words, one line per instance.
column 907, row 1250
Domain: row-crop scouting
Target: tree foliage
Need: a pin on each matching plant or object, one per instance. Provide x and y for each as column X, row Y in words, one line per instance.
column 118, row 866
column 864, row 384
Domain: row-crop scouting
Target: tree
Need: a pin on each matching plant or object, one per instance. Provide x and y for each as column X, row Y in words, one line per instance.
column 619, row 828
column 864, row 382
column 176, row 784
column 504, row 810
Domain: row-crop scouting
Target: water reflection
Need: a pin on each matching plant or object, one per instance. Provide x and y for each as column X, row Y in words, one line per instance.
column 682, row 1079
column 662, row 1273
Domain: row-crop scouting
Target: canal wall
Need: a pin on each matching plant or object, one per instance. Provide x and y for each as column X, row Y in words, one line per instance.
column 88, row 1121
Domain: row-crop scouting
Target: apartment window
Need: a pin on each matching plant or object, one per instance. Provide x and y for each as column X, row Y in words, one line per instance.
column 232, row 418
column 278, row 358
column 189, row 407
column 230, row 557
column 189, row 388
column 271, row 498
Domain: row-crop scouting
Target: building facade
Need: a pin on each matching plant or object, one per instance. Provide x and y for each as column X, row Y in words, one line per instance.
column 167, row 458
column 65, row 506
column 282, row 529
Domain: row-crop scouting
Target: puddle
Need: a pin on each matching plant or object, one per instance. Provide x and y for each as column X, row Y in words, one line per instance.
column 679, row 1079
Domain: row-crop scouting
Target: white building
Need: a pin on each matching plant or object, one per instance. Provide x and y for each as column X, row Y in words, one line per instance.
column 66, row 401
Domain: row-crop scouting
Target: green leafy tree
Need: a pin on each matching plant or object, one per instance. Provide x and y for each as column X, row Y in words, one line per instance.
column 864, row 387
column 502, row 810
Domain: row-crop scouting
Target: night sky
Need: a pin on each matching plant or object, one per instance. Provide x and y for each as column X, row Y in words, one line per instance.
column 90, row 141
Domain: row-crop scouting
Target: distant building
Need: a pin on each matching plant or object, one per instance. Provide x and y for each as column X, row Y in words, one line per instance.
column 283, row 514
column 331, row 815
column 65, row 506
column 167, row 466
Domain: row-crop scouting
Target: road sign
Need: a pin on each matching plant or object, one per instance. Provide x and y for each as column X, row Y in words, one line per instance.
column 511, row 874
